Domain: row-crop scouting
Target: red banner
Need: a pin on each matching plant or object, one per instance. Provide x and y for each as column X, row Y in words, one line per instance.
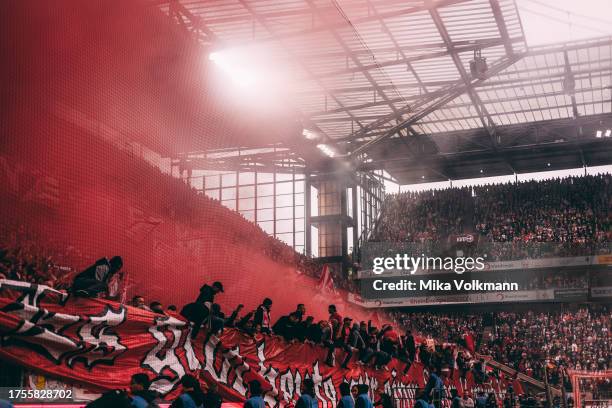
column 99, row 344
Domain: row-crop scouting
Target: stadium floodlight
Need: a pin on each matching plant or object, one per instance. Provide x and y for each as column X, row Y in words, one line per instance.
column 608, row 132
column 309, row 134
column 327, row 150
column 598, row 134
column 239, row 72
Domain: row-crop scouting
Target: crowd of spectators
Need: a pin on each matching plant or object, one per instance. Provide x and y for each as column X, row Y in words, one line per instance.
column 526, row 341
column 567, row 215
column 557, row 217
column 578, row 340
column 29, row 257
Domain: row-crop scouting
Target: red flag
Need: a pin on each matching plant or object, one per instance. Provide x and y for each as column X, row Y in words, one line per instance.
column 326, row 281
column 469, row 342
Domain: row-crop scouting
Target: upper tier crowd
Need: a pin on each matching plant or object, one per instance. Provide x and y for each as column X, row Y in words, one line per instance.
column 563, row 216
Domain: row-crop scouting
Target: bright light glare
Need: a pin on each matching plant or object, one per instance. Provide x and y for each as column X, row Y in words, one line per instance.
column 328, row 151
column 238, row 71
column 310, row 135
column 608, row 132
column 598, row 134
column 214, row 56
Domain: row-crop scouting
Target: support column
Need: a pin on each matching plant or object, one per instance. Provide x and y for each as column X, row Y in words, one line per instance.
column 307, row 213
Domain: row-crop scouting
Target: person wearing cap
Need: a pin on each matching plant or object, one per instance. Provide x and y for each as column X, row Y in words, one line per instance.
column 262, row 316
column 308, row 399
column 95, row 279
column 199, row 312
column 207, row 293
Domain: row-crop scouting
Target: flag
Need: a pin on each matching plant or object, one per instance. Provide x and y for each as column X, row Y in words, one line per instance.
column 326, row 281
column 469, row 342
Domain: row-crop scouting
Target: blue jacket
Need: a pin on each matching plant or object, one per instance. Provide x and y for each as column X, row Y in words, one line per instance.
column 307, row 401
column 363, row 401
column 347, row 402
column 139, row 402
column 255, row 402
column 188, row 402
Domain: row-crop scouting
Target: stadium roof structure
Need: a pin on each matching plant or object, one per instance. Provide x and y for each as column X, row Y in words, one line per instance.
column 387, row 84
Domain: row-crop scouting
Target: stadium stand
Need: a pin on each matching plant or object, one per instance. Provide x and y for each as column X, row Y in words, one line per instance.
column 104, row 101
column 572, row 212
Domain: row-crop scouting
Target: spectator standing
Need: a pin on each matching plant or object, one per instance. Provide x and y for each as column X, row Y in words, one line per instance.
column 212, row 399
column 346, row 400
column 255, row 400
column 262, row 316
column 140, row 394
column 457, row 402
column 363, row 399
column 308, row 398
column 192, row 396
column 333, row 314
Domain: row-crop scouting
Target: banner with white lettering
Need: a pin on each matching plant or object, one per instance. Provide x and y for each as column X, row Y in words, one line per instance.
column 99, row 344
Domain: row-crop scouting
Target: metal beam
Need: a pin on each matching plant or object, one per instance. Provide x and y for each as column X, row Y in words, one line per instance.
column 427, row 47
column 483, row 114
column 459, row 105
column 195, row 5
column 448, row 88
column 199, row 23
column 179, row 10
column 430, row 104
column 501, row 26
column 560, row 149
column 528, row 80
column 355, row 60
column 421, row 57
column 341, row 25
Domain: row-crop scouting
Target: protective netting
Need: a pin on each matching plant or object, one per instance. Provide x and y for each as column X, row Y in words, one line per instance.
column 91, row 91
column 592, row 389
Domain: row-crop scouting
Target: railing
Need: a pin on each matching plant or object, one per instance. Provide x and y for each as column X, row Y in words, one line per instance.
column 520, row 376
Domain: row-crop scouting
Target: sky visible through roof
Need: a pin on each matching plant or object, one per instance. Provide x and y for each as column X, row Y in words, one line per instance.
column 553, row 21
column 546, row 22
